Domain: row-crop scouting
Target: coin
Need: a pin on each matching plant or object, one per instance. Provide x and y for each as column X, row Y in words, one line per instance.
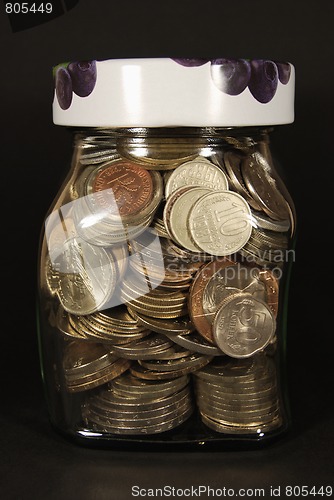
column 147, row 407
column 129, row 386
column 82, row 358
column 158, row 153
column 173, row 327
column 232, row 162
column 230, row 429
column 196, row 294
column 139, row 417
column 116, row 369
column 198, row 172
column 243, row 325
column 164, row 426
column 141, row 372
column 195, row 343
column 123, row 184
column 220, row 223
column 146, row 348
column 263, row 188
column 229, row 280
column 172, row 365
column 109, row 400
column 91, row 283
column 265, row 222
column 176, row 215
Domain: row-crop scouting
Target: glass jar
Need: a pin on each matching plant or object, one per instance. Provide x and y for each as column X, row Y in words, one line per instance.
column 165, row 258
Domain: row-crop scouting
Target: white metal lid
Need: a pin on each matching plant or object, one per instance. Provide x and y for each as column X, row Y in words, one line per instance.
column 167, row 92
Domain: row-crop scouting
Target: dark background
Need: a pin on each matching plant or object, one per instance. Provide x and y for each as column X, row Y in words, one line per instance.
column 36, row 462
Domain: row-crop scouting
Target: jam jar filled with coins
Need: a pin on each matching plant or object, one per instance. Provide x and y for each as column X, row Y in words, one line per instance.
column 165, row 258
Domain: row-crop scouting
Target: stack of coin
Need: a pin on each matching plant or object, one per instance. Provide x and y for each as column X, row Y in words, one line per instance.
column 157, row 303
column 156, row 154
column 175, row 326
column 169, row 369
column 96, row 151
column 238, row 396
column 88, row 365
column 118, row 202
column 112, row 326
column 153, row 346
column 266, row 247
column 164, row 264
column 137, row 407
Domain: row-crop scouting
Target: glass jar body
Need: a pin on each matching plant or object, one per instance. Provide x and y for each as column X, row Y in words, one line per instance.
column 163, row 275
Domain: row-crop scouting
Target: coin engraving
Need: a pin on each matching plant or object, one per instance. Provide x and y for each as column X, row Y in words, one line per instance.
column 243, row 325
column 220, row 223
column 130, row 184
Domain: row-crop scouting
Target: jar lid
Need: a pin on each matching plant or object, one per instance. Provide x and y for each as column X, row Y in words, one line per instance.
column 163, row 92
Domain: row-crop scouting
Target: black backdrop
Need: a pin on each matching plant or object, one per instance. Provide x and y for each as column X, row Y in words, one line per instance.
column 35, row 154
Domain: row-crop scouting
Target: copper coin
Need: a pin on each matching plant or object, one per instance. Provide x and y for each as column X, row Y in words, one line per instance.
column 272, row 288
column 196, row 294
column 131, row 185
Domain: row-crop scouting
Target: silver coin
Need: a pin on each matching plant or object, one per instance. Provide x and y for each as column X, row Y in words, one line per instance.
column 177, row 216
column 195, row 343
column 243, row 325
column 237, row 405
column 246, row 430
column 240, row 417
column 196, row 173
column 140, row 418
column 153, row 429
column 144, row 348
column 149, row 389
column 244, row 421
column 265, row 222
column 110, row 400
column 139, row 371
column 177, row 326
column 243, row 369
column 262, row 187
column 142, row 406
column 220, row 223
column 92, row 281
column 232, row 162
column 172, row 365
column 80, row 359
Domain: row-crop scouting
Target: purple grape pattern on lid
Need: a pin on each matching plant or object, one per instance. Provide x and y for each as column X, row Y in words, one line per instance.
column 284, row 72
column 76, row 77
column 233, row 76
column 190, row 63
column 83, row 76
column 263, row 81
column 63, row 84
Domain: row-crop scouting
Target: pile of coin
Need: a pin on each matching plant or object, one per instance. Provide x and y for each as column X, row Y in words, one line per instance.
column 112, row 326
column 133, row 406
column 164, row 274
column 90, row 365
column 238, row 396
